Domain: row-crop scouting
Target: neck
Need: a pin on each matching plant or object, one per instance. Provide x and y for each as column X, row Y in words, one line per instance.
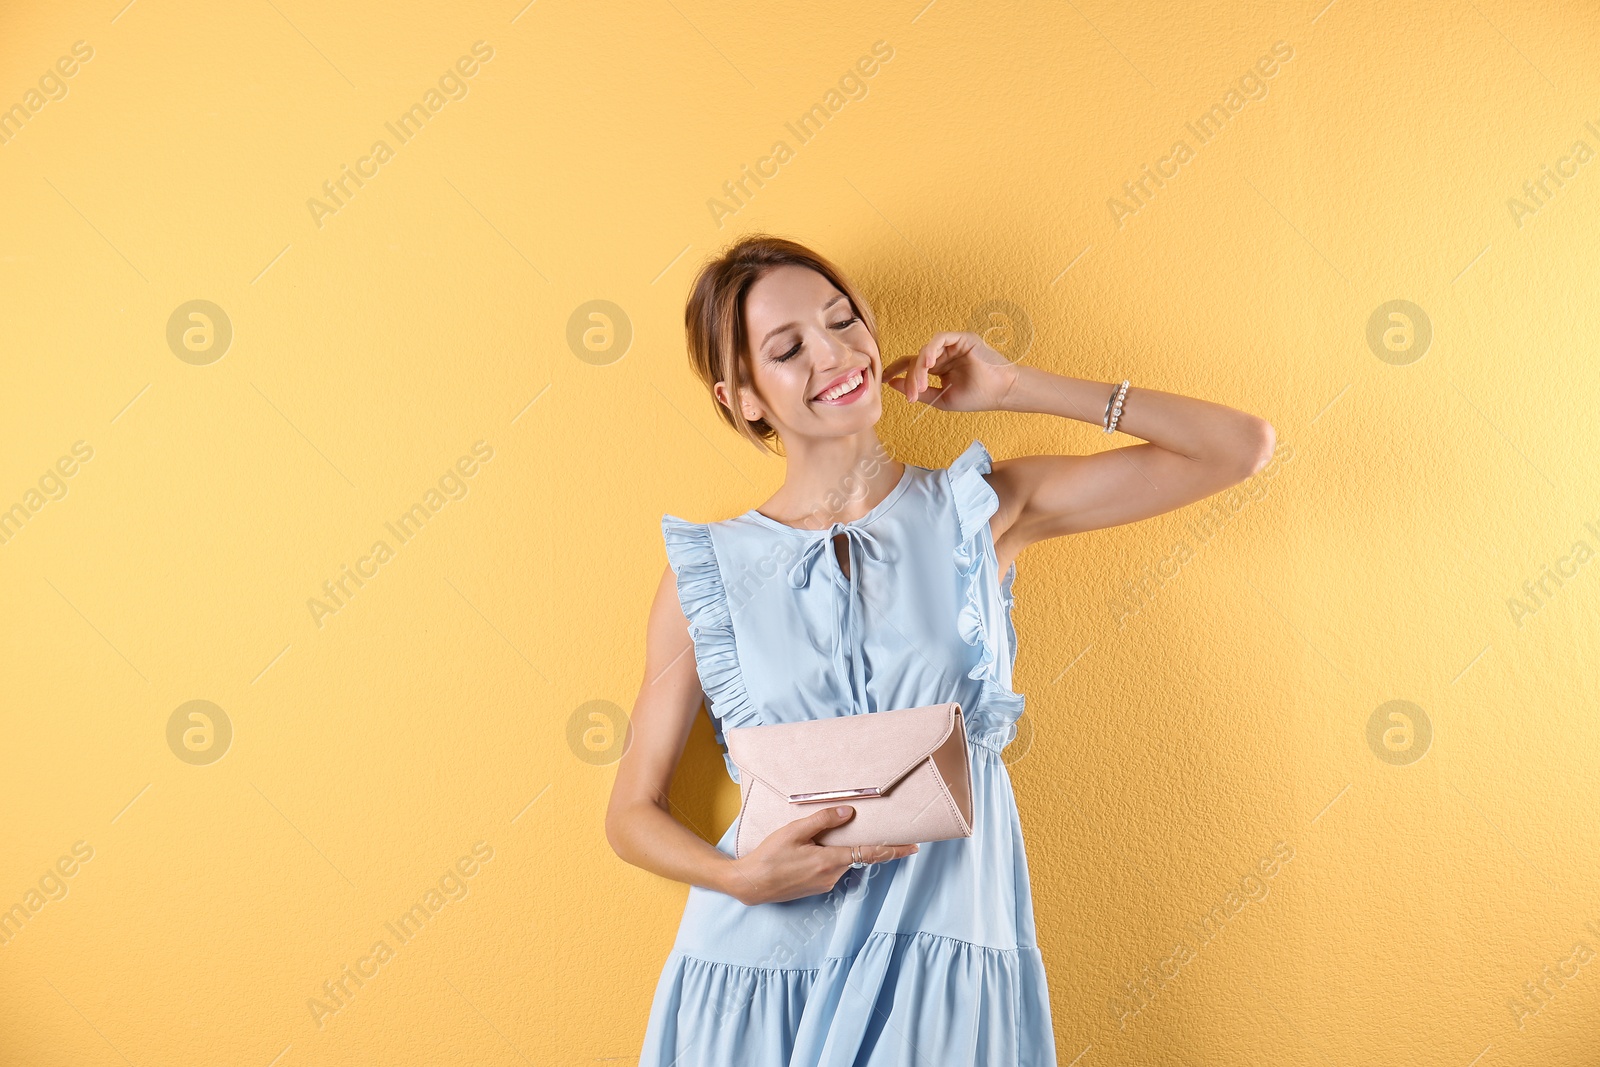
column 835, row 479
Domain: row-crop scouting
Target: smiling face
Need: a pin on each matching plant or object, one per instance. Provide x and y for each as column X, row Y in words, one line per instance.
column 814, row 365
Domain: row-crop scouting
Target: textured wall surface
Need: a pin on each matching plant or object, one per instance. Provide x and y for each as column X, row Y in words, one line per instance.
column 334, row 500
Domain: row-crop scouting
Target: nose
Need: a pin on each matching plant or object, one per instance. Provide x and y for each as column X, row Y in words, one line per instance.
column 836, row 357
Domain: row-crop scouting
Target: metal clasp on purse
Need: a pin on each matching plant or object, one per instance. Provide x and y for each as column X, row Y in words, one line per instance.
column 836, row 794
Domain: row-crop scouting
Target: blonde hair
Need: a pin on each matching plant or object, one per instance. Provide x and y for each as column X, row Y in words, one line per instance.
column 714, row 323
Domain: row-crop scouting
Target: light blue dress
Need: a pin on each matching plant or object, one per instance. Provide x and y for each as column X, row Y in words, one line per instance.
column 928, row 959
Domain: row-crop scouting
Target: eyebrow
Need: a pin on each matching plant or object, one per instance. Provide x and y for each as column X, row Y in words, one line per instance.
column 790, row 325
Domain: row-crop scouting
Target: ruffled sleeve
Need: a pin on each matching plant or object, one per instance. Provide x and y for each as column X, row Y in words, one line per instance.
column 693, row 558
column 976, row 501
column 985, row 611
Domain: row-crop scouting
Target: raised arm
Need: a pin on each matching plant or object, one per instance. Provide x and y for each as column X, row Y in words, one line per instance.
column 1195, row 447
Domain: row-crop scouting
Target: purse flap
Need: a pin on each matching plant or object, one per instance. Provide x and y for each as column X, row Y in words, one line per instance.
column 847, row 752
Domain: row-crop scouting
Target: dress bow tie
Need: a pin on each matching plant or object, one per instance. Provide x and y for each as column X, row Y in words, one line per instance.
column 847, row 636
column 860, row 540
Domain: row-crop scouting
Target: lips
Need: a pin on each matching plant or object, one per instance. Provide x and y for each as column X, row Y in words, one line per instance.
column 841, row 380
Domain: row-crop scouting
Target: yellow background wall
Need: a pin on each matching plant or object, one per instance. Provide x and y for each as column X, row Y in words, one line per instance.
column 431, row 744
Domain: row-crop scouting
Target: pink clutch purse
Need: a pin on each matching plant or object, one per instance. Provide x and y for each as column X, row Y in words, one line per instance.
column 905, row 772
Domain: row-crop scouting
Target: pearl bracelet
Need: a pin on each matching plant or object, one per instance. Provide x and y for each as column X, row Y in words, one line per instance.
column 1108, row 421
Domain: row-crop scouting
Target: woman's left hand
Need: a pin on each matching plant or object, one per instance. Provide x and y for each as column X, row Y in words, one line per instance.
column 973, row 376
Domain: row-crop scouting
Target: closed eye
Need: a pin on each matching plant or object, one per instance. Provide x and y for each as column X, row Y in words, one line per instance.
column 844, row 324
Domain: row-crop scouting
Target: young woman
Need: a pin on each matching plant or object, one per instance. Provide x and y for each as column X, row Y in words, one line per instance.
column 807, row 955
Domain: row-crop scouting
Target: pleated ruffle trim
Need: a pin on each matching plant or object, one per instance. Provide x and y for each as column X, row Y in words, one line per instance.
column 992, row 720
column 949, row 1001
column 704, row 600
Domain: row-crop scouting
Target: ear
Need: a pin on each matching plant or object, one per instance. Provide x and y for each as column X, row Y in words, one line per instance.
column 752, row 409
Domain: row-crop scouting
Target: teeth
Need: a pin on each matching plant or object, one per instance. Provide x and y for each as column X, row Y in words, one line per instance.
column 843, row 388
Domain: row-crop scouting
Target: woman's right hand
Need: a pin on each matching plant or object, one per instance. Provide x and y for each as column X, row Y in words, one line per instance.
column 788, row 864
